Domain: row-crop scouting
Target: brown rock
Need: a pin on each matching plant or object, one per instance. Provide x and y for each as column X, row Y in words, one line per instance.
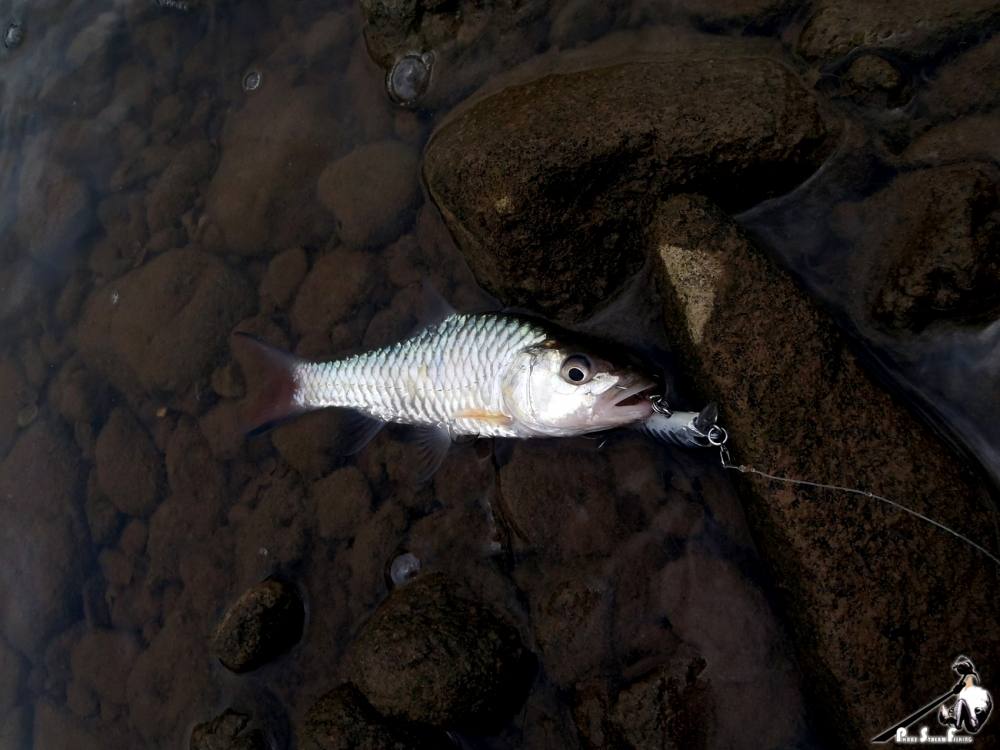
column 273, row 149
column 970, row 83
column 103, row 517
column 343, row 720
column 190, row 470
column 265, row 622
column 57, row 728
column 915, row 28
column 556, row 519
column 276, row 533
column 372, row 191
column 343, row 500
column 128, row 465
column 312, row 443
column 176, row 188
column 227, row 381
column 571, row 617
column 671, row 707
column 872, row 80
column 284, row 274
column 101, row 660
column 969, row 138
column 328, row 295
column 547, row 185
column 329, row 35
column 39, row 482
column 158, row 327
column 76, row 393
column 230, row 730
column 170, row 681
column 224, row 428
column 470, row 40
column 54, row 207
column 180, row 522
column 115, row 567
column 797, row 403
column 133, row 539
column 123, row 217
column 431, row 655
column 927, row 248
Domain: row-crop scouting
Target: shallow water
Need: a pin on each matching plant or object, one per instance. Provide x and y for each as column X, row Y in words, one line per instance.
column 165, row 179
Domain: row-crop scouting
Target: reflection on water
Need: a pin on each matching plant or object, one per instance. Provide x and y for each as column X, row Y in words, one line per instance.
column 172, row 171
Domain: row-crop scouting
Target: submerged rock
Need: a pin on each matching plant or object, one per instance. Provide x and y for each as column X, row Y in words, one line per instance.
column 43, row 550
column 431, row 655
column 547, row 185
column 372, row 191
column 284, row 274
column 968, row 138
column 927, row 248
column 797, row 403
column 343, row 720
column 970, row 83
column 128, row 465
column 555, row 518
column 101, row 662
column 872, row 80
column 230, row 730
column 158, row 327
column 915, row 28
column 468, row 39
column 260, row 198
column 670, row 707
column 265, row 622
column 54, row 207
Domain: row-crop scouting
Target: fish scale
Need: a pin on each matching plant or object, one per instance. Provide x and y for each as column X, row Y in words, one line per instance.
column 431, row 379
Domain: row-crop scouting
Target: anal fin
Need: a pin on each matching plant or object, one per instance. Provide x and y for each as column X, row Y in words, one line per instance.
column 357, row 431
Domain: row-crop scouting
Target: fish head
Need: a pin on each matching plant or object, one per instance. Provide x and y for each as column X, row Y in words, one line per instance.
column 560, row 389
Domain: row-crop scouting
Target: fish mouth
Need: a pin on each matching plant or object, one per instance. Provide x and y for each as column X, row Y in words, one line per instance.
column 630, row 402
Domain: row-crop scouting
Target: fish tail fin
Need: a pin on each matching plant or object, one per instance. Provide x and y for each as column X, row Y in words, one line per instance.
column 272, row 389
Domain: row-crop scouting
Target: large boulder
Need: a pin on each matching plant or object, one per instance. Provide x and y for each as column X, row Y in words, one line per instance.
column 547, row 185
column 927, row 248
column 867, row 588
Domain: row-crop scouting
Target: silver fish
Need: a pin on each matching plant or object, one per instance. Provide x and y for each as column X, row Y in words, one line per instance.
column 482, row 374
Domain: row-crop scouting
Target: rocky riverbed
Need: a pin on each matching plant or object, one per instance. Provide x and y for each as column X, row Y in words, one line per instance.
column 793, row 206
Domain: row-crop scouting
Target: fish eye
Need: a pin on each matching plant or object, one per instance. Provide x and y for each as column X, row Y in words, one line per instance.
column 577, row 369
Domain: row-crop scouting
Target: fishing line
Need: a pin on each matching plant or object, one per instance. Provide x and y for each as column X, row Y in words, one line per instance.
column 717, row 436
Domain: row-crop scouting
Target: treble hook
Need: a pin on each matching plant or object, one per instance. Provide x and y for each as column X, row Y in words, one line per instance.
column 659, row 404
